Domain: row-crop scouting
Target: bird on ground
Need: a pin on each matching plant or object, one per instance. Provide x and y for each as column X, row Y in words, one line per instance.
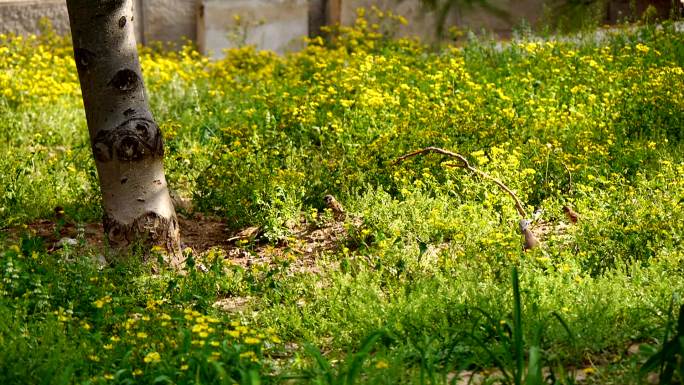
column 530, row 241
column 335, row 207
column 249, row 234
column 571, row 214
column 59, row 212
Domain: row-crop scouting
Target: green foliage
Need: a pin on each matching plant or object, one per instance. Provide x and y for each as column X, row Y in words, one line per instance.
column 669, row 359
column 426, row 251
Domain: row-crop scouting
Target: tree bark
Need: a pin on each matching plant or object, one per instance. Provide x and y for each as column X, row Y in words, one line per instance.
column 126, row 141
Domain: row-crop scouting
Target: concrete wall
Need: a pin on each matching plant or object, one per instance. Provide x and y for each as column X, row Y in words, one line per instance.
column 275, row 25
column 272, row 24
column 423, row 22
column 177, row 20
column 164, row 20
column 23, row 16
column 169, row 20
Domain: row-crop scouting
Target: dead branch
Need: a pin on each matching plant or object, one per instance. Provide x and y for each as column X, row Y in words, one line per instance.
column 465, row 164
column 437, row 150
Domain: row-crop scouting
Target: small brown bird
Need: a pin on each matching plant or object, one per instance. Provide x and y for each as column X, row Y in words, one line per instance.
column 335, row 207
column 59, row 212
column 249, row 234
column 571, row 214
column 530, row 241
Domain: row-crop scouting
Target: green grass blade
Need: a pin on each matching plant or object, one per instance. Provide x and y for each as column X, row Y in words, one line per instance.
column 360, row 357
column 518, row 347
column 323, row 364
column 534, row 367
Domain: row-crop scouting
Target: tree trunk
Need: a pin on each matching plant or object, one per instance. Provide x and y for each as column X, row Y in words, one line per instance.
column 126, row 141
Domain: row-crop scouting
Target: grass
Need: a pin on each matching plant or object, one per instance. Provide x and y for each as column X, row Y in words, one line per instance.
column 419, row 287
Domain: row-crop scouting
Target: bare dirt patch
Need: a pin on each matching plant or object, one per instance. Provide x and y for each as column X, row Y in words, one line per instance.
column 202, row 233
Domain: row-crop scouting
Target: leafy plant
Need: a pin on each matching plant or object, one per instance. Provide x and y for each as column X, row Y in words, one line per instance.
column 347, row 372
column 518, row 361
column 669, row 360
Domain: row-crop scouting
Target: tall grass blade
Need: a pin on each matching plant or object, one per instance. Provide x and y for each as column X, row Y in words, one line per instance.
column 517, row 329
column 358, row 359
column 534, row 369
column 565, row 326
column 323, row 364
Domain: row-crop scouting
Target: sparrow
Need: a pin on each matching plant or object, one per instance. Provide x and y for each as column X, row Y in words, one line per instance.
column 249, row 234
column 530, row 240
column 59, row 212
column 335, row 207
column 571, row 214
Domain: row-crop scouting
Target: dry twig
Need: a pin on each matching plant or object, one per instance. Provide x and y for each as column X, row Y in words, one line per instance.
column 465, row 164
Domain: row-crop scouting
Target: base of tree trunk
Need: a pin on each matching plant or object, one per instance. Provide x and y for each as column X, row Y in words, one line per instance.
column 147, row 231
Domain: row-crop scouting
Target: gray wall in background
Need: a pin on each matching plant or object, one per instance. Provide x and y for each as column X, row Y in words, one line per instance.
column 274, row 22
column 23, row 17
column 275, row 25
column 170, row 20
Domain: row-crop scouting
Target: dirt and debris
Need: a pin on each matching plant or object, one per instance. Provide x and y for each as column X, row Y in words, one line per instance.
column 232, row 304
column 202, row 233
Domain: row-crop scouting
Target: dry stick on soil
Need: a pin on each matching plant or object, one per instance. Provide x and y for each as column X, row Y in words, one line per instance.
column 465, row 164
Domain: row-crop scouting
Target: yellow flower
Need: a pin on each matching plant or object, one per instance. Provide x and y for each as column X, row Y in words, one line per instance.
column 184, row 367
column 158, row 249
column 382, row 364
column 642, row 48
column 108, row 347
column 137, row 372
column 250, row 354
column 252, row 341
column 152, row 357
column 108, row 376
column 141, row 335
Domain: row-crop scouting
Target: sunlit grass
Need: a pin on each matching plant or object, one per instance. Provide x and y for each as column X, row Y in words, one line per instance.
column 419, row 287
